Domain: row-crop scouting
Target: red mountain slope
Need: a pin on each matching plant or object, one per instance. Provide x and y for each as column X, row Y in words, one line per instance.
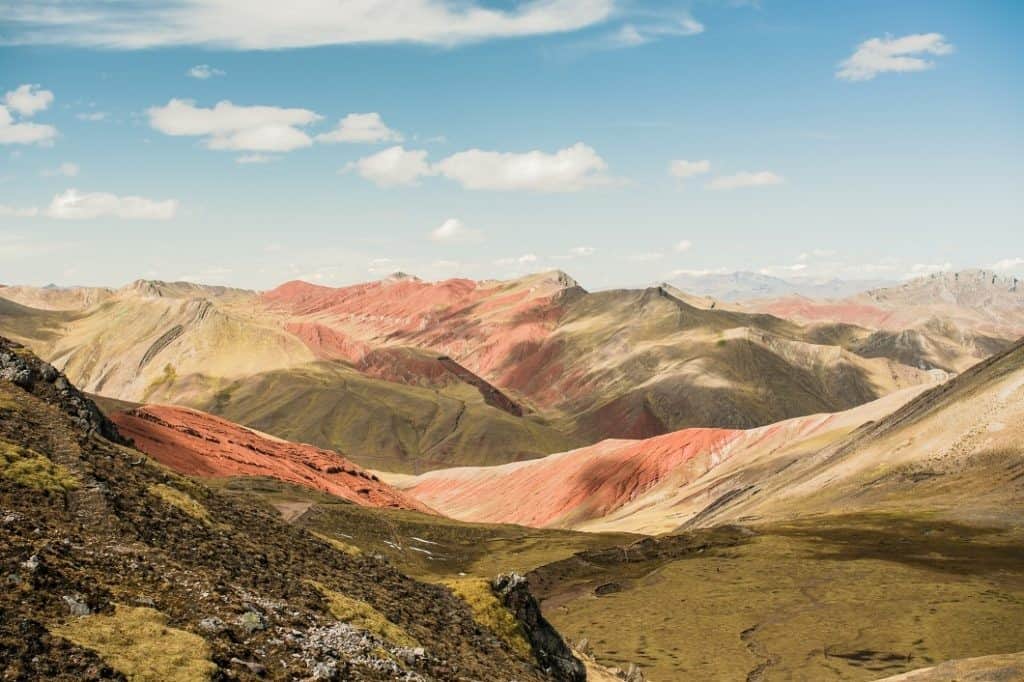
column 198, row 444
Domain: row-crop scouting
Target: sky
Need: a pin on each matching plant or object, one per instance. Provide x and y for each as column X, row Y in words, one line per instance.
column 252, row 142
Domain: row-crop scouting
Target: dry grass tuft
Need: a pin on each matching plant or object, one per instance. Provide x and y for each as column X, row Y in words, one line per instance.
column 138, row 643
column 33, row 470
column 489, row 612
column 182, row 501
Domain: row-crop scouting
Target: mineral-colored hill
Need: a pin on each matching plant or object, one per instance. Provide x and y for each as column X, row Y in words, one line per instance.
column 194, row 443
column 410, row 376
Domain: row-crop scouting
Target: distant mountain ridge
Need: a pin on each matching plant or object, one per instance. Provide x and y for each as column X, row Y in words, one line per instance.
column 744, row 285
column 407, row 375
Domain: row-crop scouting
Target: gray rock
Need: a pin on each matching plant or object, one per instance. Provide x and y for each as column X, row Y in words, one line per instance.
column 76, row 605
column 48, row 372
column 252, row 666
column 212, row 625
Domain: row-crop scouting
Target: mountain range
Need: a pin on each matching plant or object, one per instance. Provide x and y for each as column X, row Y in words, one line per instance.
column 512, row 479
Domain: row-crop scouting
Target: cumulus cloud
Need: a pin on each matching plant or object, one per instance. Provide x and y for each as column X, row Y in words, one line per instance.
column 745, row 179
column 683, row 245
column 66, row 169
column 566, row 170
column 75, row 205
column 28, row 99
column 453, row 230
column 682, row 169
column 361, row 128
column 203, row 72
column 236, row 128
column 889, row 54
column 25, row 100
column 269, row 24
column 1007, row 264
column 393, row 166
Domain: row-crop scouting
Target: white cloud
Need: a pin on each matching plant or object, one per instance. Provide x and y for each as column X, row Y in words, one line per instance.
column 745, row 179
column 582, row 251
column 14, row 212
column 238, row 128
column 28, row 99
column 361, row 128
column 567, row 170
column 634, row 34
column 66, row 169
column 203, row 72
column 453, row 230
column 683, row 169
column 888, row 54
column 254, row 158
column 74, row 205
column 393, row 166
column 525, row 259
column 24, row 132
column 1007, row 264
column 270, row 24
column 91, row 116
column 682, row 246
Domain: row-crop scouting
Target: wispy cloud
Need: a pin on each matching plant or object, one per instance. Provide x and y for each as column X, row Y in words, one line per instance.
column 893, row 55
column 75, row 205
column 66, row 169
column 268, row 24
column 682, row 169
column 203, row 72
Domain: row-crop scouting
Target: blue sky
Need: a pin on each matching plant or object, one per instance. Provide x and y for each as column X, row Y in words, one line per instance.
column 852, row 139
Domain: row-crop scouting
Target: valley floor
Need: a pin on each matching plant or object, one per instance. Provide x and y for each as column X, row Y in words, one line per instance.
column 842, row 598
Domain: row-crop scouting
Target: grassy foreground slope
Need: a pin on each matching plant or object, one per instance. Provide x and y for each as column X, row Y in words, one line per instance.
column 116, row 567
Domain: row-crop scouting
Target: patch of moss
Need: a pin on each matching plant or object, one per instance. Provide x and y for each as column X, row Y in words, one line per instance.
column 182, row 501
column 361, row 615
column 139, row 643
column 343, row 547
column 489, row 612
column 33, row 470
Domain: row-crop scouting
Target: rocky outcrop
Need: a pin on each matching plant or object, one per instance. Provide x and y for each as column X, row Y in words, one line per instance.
column 551, row 651
column 20, row 367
